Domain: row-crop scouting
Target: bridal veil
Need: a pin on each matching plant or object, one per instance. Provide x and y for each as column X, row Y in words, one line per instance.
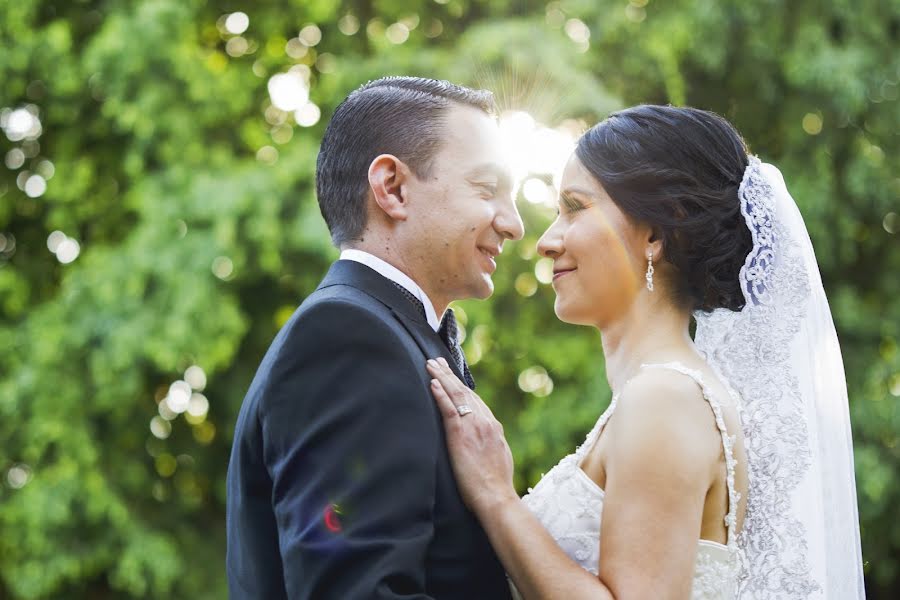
column 781, row 355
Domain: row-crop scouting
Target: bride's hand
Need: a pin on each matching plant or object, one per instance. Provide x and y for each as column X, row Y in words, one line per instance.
column 482, row 461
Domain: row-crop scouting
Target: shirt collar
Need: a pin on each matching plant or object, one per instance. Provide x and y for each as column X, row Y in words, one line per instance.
column 388, row 270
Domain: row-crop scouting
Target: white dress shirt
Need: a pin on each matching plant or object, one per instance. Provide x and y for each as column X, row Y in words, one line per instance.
column 397, row 276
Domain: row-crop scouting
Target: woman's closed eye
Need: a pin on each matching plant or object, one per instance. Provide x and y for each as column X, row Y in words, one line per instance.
column 570, row 204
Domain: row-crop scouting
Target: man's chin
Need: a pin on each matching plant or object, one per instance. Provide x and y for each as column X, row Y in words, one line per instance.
column 484, row 289
column 487, row 288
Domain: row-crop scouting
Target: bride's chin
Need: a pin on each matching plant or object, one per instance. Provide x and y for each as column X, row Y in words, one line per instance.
column 562, row 314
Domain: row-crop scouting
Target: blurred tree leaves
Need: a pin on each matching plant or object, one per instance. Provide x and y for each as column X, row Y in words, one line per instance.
column 193, row 204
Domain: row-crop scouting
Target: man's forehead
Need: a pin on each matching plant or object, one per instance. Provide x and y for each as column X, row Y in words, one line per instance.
column 491, row 169
column 473, row 138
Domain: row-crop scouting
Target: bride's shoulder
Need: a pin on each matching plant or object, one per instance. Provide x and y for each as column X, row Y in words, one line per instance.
column 663, row 408
column 661, row 389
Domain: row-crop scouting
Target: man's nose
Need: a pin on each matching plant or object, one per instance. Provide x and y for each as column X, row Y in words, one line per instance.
column 508, row 221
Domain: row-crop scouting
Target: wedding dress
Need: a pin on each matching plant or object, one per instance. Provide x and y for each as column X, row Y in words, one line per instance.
column 780, row 359
column 569, row 504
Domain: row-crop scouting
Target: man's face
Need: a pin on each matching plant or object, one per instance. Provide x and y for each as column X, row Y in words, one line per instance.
column 463, row 212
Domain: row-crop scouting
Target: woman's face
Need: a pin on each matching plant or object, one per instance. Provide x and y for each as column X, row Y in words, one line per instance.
column 599, row 255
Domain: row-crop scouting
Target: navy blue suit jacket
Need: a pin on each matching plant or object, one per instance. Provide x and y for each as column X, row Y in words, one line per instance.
column 339, row 483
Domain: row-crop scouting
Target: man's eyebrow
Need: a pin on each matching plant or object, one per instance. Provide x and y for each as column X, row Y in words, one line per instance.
column 504, row 177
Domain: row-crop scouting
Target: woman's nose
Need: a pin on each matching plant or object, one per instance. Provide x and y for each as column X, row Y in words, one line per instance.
column 550, row 245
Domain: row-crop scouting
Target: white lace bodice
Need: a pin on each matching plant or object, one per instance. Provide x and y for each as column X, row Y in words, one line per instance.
column 569, row 504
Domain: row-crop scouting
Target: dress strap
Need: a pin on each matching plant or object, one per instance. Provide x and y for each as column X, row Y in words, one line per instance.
column 727, row 443
column 594, row 433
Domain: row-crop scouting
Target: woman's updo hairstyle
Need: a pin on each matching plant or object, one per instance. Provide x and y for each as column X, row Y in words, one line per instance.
column 678, row 170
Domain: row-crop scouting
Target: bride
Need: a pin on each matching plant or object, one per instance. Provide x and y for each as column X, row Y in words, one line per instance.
column 723, row 466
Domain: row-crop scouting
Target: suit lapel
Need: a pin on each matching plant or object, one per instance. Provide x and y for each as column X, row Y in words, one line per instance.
column 366, row 279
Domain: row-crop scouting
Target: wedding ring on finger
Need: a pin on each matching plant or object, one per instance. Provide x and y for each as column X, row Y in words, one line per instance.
column 463, row 409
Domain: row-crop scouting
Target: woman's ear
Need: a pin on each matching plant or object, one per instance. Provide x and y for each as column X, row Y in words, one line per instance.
column 388, row 179
column 652, row 242
column 654, row 245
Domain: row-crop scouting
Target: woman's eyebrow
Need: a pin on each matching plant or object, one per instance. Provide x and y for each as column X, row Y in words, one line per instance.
column 580, row 191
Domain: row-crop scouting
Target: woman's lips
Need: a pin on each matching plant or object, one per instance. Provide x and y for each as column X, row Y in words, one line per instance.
column 560, row 273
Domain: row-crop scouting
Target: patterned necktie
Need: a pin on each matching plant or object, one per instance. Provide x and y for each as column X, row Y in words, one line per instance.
column 449, row 334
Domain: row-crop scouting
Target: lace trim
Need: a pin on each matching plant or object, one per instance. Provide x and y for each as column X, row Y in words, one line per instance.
column 758, row 208
column 750, row 349
column 592, row 435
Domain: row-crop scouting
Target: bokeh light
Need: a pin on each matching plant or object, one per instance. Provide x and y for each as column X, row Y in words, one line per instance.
column 7, row 245
column 15, row 158
column 310, row 35
column 237, row 46
column 222, row 267
column 537, row 192
column 18, row 476
column 635, row 11
column 348, row 25
column 579, row 33
column 267, row 155
column 543, row 270
column 288, row 91
column 198, row 406
column 812, row 123
column 296, row 49
column 66, row 249
column 21, row 124
column 526, row 284
column 435, row 28
column 35, row 186
column 160, row 427
column 195, row 377
column 45, row 169
column 891, row 222
column 397, row 33
column 307, row 115
column 165, row 411
column 535, row 380
column 179, row 396
column 54, row 240
column 237, row 22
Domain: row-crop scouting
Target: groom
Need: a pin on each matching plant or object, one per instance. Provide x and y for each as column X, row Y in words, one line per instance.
column 339, row 484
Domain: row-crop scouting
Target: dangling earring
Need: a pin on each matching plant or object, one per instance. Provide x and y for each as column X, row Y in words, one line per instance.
column 649, row 275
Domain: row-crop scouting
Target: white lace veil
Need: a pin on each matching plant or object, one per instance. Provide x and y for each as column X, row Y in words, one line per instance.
column 800, row 537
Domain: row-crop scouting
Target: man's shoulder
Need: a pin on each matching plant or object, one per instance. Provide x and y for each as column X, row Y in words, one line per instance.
column 338, row 315
column 342, row 302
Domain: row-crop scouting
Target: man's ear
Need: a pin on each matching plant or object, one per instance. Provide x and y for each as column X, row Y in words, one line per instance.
column 388, row 179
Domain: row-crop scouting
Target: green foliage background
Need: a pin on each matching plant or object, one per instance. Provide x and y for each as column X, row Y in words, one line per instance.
column 153, row 130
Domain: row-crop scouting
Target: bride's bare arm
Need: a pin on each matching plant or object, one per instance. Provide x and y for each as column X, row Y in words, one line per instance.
column 652, row 507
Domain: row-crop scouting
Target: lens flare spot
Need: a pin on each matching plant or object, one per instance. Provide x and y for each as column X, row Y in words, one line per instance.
column 330, row 517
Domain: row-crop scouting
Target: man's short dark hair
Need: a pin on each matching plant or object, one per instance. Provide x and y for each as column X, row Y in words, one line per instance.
column 403, row 116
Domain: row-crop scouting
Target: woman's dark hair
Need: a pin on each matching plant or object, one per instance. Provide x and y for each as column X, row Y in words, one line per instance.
column 678, row 170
